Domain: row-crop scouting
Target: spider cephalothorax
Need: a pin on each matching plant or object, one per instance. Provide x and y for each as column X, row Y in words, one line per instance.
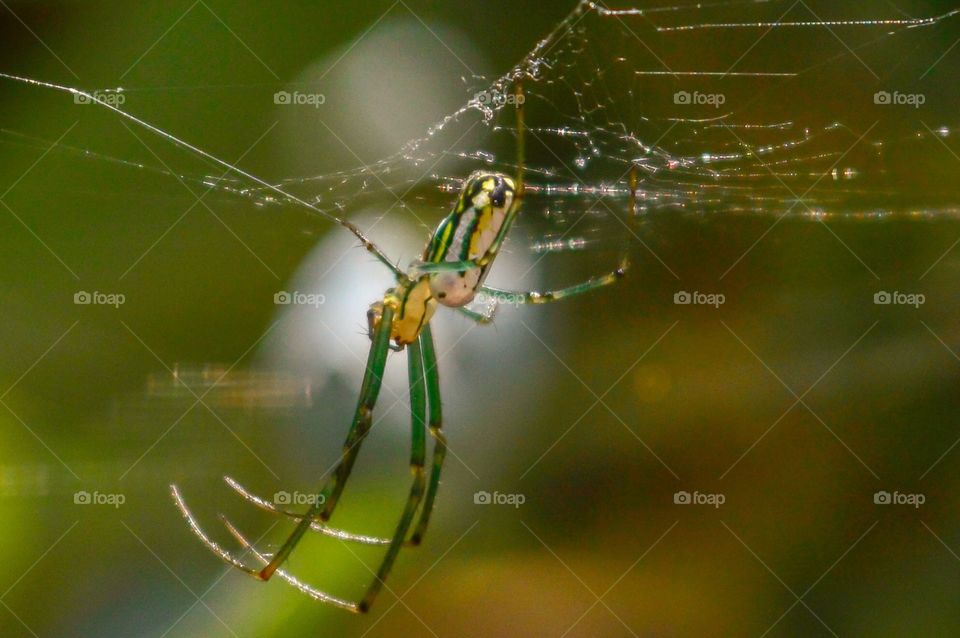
column 413, row 306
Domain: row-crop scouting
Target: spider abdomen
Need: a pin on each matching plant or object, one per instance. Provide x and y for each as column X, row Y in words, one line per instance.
column 469, row 234
column 456, row 289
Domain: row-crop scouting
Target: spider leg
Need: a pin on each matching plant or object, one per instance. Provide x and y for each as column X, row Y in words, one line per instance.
column 436, row 421
column 533, row 297
column 362, row 421
column 482, row 318
column 418, row 412
column 316, row 525
column 427, row 268
column 435, row 413
column 314, row 593
column 224, row 555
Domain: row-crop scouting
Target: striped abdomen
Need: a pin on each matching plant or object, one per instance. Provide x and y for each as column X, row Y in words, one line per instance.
column 469, row 233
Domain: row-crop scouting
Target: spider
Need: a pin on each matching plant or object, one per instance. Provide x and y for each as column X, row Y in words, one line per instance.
column 450, row 273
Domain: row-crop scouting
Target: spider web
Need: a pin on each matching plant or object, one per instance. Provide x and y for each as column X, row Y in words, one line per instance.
column 649, row 111
column 777, row 111
column 771, row 108
column 741, row 107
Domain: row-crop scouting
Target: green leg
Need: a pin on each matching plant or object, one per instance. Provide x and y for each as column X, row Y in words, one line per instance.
column 521, row 142
column 362, row 421
column 483, row 318
column 317, row 526
column 436, row 422
column 418, row 411
column 429, row 268
column 510, row 297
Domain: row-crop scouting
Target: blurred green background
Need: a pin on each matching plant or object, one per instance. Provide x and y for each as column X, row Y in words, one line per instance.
column 797, row 400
